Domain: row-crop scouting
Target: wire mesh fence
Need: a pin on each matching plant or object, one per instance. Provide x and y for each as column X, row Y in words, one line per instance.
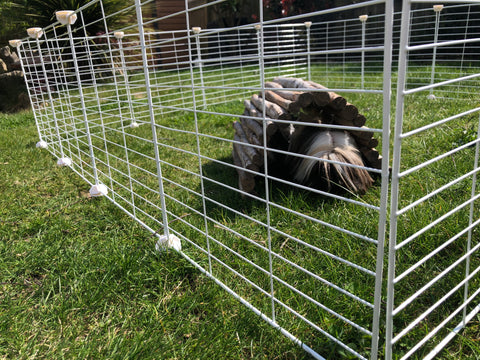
column 145, row 116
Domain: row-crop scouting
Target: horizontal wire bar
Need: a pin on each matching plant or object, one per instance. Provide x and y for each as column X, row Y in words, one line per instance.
column 437, row 191
column 441, row 44
column 440, row 301
column 436, row 222
column 321, row 222
column 436, row 251
column 436, row 278
column 247, row 304
column 434, row 331
column 438, row 123
column 454, row 332
column 441, row 83
column 439, row 157
column 462, row 2
column 319, row 329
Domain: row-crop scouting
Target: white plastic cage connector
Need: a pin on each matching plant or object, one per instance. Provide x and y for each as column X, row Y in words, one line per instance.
column 308, row 24
column 42, row 144
column 66, row 17
column 15, row 43
column 98, row 190
column 64, row 161
column 171, row 242
column 119, row 34
column 35, row 32
column 363, row 18
column 196, row 30
column 134, row 125
column 437, row 8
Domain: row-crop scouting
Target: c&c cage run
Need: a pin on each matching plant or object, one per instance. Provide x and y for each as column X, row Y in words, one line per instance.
column 145, row 115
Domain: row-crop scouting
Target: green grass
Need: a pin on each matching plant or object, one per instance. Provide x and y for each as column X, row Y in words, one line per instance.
column 81, row 279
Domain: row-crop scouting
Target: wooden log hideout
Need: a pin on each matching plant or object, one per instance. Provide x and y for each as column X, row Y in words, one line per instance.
column 326, row 158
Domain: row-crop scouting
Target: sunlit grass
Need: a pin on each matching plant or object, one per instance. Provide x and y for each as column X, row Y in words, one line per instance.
column 82, row 279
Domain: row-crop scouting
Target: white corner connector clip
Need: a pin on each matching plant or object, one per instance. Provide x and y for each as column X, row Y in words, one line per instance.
column 363, row 18
column 65, row 161
column 66, row 17
column 119, row 35
column 42, row 144
column 171, row 242
column 134, row 125
column 35, row 32
column 15, row 43
column 98, row 190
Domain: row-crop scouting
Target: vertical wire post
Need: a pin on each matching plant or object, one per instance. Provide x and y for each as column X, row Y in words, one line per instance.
column 326, row 54
column 16, row 43
column 196, row 31
column 50, row 98
column 363, row 20
column 261, row 64
column 382, row 220
column 119, row 36
column 37, row 33
column 65, row 100
column 470, row 222
column 308, row 25
column 141, row 33
column 395, row 182
column 344, row 46
column 467, row 21
column 68, row 18
column 257, row 28
column 133, row 124
column 98, row 189
column 437, row 9
column 59, row 109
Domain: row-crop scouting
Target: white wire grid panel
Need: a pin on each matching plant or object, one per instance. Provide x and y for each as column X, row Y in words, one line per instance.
column 148, row 114
column 435, row 165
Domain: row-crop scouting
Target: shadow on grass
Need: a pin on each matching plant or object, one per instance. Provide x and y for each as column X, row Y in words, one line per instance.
column 225, row 201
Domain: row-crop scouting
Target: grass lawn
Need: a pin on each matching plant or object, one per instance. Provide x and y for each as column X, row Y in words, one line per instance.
column 80, row 279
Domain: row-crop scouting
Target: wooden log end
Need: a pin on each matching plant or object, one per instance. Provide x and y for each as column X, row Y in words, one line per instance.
column 359, row 120
column 294, row 108
column 321, row 99
column 271, row 129
column 337, row 102
column 305, row 99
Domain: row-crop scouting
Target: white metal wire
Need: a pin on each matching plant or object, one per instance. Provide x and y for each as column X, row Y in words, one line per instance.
column 148, row 114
